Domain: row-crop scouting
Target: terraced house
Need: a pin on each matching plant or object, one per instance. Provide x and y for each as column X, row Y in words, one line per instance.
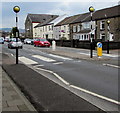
column 63, row 28
column 77, row 26
column 46, row 29
column 34, row 19
column 81, row 27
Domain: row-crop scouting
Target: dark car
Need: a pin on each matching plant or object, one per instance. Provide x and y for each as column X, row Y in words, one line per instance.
column 42, row 42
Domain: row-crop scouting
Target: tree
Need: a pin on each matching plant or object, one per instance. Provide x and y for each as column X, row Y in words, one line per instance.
column 13, row 32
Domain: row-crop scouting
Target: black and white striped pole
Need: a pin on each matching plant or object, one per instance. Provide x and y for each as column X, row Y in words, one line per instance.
column 108, row 36
column 91, row 9
column 16, row 9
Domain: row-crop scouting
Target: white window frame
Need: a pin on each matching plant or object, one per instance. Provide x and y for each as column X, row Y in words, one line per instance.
column 74, row 29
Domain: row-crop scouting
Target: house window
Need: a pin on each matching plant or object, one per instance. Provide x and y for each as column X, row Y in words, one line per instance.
column 102, row 25
column 86, row 25
column 49, row 28
column 64, row 28
column 74, row 29
column 85, row 37
column 78, row 28
column 102, row 36
column 82, row 37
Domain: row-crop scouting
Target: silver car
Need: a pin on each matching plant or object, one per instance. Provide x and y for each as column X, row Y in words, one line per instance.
column 27, row 41
column 14, row 44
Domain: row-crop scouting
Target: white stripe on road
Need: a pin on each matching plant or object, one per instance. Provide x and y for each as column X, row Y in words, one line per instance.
column 94, row 94
column 56, row 56
column 38, row 66
column 56, row 75
column 43, row 58
column 27, row 60
column 111, row 65
column 58, row 63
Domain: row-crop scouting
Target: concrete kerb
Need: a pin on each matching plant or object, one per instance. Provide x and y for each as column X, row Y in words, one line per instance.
column 75, row 56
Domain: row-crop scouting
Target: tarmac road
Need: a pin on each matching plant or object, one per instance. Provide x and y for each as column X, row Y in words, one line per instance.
column 101, row 80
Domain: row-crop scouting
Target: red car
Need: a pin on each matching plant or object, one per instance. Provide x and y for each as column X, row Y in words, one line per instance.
column 42, row 42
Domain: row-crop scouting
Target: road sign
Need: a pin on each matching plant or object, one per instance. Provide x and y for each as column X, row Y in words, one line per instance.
column 99, row 44
column 99, row 49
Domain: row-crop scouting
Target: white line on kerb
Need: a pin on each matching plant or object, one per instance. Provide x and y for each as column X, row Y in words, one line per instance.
column 94, row 94
column 111, row 65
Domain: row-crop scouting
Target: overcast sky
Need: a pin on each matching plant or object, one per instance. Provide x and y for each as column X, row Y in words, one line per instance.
column 39, row 7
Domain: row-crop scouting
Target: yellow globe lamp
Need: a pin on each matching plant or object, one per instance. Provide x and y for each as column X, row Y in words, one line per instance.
column 91, row 9
column 108, row 21
column 16, row 9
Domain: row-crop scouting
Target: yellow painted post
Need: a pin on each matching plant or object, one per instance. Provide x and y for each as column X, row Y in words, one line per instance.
column 99, row 49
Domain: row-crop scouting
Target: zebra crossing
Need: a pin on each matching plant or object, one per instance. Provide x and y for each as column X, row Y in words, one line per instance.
column 29, row 61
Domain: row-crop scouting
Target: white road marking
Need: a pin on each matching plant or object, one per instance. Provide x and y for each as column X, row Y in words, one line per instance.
column 58, row 63
column 109, row 55
column 43, row 58
column 103, row 54
column 111, row 65
column 60, row 78
column 86, row 53
column 12, row 54
column 57, row 76
column 38, row 65
column 27, row 60
column 56, row 56
column 94, row 94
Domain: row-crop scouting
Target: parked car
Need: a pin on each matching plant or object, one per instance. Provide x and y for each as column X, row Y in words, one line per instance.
column 27, row 41
column 7, row 39
column 1, row 40
column 32, row 41
column 14, row 44
column 42, row 42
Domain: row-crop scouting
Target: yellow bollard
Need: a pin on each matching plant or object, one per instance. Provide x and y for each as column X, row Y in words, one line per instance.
column 99, row 49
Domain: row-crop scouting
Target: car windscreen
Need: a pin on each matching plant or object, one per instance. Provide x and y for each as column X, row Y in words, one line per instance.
column 43, row 40
column 14, row 40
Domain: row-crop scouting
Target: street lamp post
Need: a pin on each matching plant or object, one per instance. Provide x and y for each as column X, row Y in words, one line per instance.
column 16, row 9
column 91, row 9
column 108, row 35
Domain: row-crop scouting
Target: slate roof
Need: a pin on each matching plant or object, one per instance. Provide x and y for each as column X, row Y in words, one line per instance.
column 97, row 15
column 68, row 20
column 40, row 17
column 100, row 14
column 46, row 22
column 109, row 12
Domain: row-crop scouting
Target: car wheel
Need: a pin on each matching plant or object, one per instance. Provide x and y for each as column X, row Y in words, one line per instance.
column 34, row 45
column 21, row 47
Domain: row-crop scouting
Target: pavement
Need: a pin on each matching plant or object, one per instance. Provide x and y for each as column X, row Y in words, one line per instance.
column 41, row 92
column 12, row 98
column 69, row 52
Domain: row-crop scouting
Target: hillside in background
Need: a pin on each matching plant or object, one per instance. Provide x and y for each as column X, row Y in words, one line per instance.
column 9, row 30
